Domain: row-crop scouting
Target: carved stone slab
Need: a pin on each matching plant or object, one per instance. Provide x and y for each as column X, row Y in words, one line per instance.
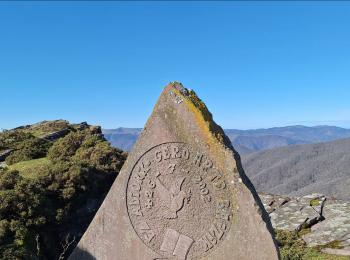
column 181, row 195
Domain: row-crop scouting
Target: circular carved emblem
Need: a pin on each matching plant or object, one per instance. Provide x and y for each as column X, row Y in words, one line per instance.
column 179, row 202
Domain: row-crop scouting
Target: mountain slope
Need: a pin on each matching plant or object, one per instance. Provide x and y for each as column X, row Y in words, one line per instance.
column 264, row 142
column 242, row 150
column 302, row 169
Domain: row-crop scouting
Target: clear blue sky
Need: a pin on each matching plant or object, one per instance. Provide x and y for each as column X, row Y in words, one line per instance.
column 255, row 64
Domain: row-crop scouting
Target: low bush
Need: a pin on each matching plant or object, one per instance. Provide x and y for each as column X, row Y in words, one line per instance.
column 32, row 148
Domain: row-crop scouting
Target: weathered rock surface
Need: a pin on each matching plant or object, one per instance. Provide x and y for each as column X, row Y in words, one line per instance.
column 181, row 194
column 55, row 135
column 329, row 219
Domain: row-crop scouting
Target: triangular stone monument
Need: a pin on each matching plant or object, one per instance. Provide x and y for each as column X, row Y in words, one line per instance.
column 181, row 195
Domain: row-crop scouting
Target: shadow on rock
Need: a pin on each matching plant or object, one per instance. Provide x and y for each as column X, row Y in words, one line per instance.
column 81, row 254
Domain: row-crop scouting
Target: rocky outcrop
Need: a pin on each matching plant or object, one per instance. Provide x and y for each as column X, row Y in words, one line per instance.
column 81, row 126
column 6, row 153
column 328, row 218
column 55, row 135
column 22, row 127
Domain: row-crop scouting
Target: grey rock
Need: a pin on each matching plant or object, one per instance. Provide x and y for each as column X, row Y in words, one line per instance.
column 329, row 219
column 81, row 126
column 55, row 135
column 6, row 153
column 345, row 251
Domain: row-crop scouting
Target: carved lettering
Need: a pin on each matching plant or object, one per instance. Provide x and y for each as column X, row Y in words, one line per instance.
column 198, row 160
column 222, row 226
column 134, row 201
column 205, row 243
column 158, row 155
column 151, row 184
column 185, row 153
column 146, row 231
column 222, row 215
column 222, row 211
column 149, row 194
column 224, row 204
column 143, row 171
column 215, row 175
column 204, row 191
column 207, row 165
column 135, row 193
column 171, row 168
column 220, row 185
column 136, row 210
column 175, row 152
column 215, row 232
column 202, row 187
column 165, row 152
column 135, row 186
column 197, row 178
column 217, row 180
column 206, row 198
column 149, row 204
column 212, row 239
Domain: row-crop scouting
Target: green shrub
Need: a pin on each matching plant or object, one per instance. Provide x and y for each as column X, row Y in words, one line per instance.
column 55, row 126
column 78, row 167
column 11, row 138
column 65, row 147
column 290, row 244
column 32, row 148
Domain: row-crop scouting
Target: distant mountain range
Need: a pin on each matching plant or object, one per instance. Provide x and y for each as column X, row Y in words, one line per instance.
column 247, row 141
column 122, row 137
column 289, row 161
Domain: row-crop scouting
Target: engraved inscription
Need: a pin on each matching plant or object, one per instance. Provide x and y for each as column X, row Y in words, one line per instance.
column 179, row 202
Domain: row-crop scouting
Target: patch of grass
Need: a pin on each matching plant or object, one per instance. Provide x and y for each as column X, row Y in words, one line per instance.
column 28, row 168
column 292, row 247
